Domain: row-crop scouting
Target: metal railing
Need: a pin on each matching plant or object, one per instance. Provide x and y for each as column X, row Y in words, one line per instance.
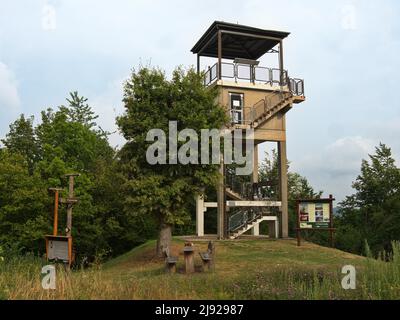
column 247, row 190
column 240, row 185
column 254, row 74
column 244, row 116
column 248, row 115
column 296, row 86
column 243, row 218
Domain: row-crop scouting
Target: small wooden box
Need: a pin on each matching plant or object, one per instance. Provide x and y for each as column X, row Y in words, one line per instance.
column 59, row 248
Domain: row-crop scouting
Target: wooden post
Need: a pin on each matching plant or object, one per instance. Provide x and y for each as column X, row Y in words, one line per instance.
column 331, row 238
column 211, row 249
column 171, row 267
column 188, row 252
column 71, row 178
column 56, row 200
column 55, row 226
column 206, row 265
column 331, row 221
column 298, row 234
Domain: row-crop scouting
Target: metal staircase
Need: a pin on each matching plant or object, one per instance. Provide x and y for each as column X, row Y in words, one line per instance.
column 257, row 115
column 240, row 189
column 247, row 221
column 243, row 219
column 270, row 106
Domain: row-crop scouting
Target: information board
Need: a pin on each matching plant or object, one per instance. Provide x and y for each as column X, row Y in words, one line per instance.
column 314, row 215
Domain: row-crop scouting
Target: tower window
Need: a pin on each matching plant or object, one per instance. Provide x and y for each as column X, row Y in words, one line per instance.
column 236, row 107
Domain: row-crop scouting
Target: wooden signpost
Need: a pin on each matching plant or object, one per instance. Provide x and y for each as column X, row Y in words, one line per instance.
column 59, row 248
column 315, row 215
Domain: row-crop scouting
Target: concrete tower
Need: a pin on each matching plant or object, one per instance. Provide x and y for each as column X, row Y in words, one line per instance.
column 255, row 97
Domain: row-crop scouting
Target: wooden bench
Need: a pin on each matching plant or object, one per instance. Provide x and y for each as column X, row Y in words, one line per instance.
column 170, row 261
column 208, row 257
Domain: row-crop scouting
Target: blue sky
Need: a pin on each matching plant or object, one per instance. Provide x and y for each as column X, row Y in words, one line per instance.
column 347, row 52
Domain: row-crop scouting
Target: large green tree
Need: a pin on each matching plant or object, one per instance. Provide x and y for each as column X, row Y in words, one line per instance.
column 372, row 213
column 24, row 204
column 21, row 139
column 164, row 192
column 35, row 158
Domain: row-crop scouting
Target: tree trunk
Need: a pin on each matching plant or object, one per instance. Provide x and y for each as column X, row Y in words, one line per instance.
column 164, row 238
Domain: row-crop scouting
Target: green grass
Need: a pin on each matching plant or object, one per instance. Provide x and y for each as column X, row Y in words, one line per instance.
column 245, row 269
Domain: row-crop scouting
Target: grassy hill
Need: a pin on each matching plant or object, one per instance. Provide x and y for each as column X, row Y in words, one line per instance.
column 245, row 269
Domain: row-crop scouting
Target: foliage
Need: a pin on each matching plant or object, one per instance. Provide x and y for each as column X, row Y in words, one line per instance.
column 372, row 213
column 164, row 192
column 21, row 139
column 37, row 158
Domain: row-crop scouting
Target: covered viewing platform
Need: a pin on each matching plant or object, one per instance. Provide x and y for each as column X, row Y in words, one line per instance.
column 238, row 49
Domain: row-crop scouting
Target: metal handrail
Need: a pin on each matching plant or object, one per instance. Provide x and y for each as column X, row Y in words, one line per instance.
column 297, row 86
column 250, row 114
column 243, row 218
column 247, row 116
column 271, row 76
column 237, row 221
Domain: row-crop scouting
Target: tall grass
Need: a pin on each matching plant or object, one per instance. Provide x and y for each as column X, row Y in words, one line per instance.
column 20, row 278
column 376, row 279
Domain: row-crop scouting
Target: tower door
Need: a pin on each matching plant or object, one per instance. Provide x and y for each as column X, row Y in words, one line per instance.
column 236, row 107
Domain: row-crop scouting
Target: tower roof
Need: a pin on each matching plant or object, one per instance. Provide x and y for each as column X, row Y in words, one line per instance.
column 238, row 41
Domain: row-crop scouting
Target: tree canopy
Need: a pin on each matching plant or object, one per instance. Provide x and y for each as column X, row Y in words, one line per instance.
column 36, row 158
column 372, row 213
column 151, row 102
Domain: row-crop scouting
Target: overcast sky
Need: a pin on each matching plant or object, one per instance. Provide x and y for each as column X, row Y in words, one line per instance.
column 347, row 52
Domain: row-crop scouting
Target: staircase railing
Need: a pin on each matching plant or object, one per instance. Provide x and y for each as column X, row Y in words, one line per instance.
column 296, row 86
column 264, row 105
column 240, row 185
column 243, row 218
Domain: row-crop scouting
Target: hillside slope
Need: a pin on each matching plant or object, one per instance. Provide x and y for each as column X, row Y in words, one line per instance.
column 245, row 269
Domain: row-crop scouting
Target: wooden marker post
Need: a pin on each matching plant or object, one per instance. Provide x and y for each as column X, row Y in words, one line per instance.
column 59, row 248
column 56, row 199
column 188, row 252
column 298, row 234
column 331, row 227
column 71, row 178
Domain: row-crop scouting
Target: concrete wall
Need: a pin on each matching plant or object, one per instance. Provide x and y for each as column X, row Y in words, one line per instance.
column 274, row 129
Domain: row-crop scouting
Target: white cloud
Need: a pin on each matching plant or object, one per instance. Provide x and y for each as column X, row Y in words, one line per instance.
column 108, row 105
column 9, row 98
column 333, row 168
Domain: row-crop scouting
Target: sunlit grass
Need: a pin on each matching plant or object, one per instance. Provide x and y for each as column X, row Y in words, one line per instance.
column 248, row 269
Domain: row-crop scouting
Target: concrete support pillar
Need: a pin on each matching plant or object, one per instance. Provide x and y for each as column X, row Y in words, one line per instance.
column 283, row 188
column 221, row 208
column 256, row 230
column 255, row 165
column 273, row 229
column 200, row 215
